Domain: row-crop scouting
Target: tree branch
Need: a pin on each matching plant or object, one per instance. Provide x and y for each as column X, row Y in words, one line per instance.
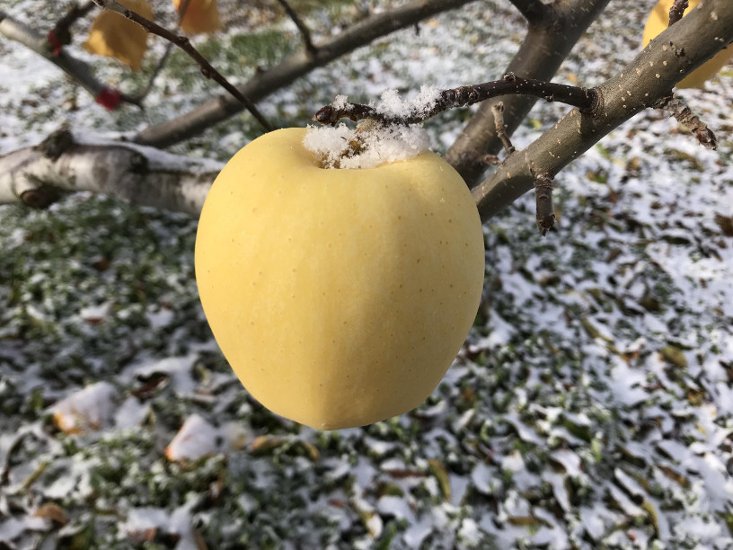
column 140, row 96
column 533, row 11
column 79, row 71
column 294, row 66
column 648, row 78
column 464, row 96
column 60, row 35
column 677, row 11
column 133, row 173
column 185, row 44
column 300, row 24
column 545, row 46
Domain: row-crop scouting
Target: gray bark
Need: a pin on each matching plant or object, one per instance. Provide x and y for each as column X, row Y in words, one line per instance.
column 648, row 78
column 547, row 43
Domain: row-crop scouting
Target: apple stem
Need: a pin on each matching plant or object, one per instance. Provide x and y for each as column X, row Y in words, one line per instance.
column 586, row 99
column 676, row 107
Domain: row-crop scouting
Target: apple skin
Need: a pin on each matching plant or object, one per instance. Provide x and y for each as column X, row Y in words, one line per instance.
column 339, row 296
column 658, row 21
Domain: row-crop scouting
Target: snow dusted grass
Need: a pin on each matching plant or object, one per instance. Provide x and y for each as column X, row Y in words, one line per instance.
column 591, row 407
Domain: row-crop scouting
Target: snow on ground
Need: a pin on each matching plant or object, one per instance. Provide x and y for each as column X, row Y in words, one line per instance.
column 592, row 406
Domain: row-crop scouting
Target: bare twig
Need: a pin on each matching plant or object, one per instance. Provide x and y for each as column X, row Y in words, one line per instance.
column 185, row 44
column 78, row 70
column 60, row 35
column 140, row 96
column 532, row 10
column 220, row 108
column 498, row 110
column 300, row 24
column 543, row 203
column 677, row 11
column 463, row 96
column 676, row 107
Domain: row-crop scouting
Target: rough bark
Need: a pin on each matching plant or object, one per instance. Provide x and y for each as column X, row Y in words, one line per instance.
column 134, row 173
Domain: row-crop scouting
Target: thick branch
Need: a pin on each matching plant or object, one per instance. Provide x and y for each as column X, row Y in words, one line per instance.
column 294, row 66
column 134, row 173
column 533, row 11
column 185, row 44
column 79, row 71
column 648, row 78
column 464, row 96
column 546, row 45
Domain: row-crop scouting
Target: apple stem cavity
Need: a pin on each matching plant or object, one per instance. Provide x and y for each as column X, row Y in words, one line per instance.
column 367, row 145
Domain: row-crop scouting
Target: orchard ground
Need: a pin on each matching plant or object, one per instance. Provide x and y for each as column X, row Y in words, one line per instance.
column 592, row 405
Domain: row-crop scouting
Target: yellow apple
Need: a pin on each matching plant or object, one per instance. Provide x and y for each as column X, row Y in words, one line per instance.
column 339, row 296
column 658, row 21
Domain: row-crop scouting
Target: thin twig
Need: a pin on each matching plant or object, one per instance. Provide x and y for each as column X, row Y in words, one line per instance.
column 543, row 203
column 361, row 33
column 302, row 27
column 677, row 11
column 677, row 108
column 463, row 96
column 185, row 44
column 498, row 110
column 60, row 35
column 163, row 58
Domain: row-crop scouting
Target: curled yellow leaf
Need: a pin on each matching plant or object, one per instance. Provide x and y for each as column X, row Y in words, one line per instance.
column 201, row 16
column 113, row 35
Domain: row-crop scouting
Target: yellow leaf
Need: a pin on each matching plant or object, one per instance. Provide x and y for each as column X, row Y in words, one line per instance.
column 201, row 16
column 658, row 21
column 113, row 35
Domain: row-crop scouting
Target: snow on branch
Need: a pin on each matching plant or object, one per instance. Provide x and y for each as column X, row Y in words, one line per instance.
column 66, row 163
column 640, row 85
column 463, row 96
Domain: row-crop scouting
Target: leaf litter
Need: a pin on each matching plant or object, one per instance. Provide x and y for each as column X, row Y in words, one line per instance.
column 591, row 407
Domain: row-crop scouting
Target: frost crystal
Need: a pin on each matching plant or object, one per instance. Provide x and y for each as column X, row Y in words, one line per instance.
column 377, row 145
column 340, row 102
column 367, row 147
column 392, row 105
